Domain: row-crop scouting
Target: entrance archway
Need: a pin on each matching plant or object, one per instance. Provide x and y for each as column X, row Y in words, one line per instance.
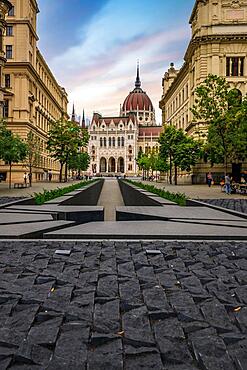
column 102, row 165
column 120, row 165
column 112, row 165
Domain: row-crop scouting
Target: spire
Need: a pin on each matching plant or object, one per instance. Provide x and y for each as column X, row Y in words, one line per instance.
column 73, row 113
column 83, row 122
column 138, row 81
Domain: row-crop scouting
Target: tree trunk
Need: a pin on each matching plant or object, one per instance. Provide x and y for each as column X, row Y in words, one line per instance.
column 176, row 174
column 170, row 176
column 10, row 169
column 66, row 172
column 226, row 165
column 30, row 176
column 61, row 172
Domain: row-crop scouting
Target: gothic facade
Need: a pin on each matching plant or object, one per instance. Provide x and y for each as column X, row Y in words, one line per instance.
column 115, row 141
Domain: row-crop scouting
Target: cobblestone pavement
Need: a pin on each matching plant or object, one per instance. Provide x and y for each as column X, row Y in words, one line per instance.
column 113, row 305
column 197, row 191
column 4, row 200
column 239, row 205
column 37, row 187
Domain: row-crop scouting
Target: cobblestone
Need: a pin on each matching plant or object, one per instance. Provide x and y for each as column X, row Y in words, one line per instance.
column 239, row 205
column 111, row 305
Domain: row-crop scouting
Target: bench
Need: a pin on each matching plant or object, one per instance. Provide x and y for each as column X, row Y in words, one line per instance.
column 20, row 185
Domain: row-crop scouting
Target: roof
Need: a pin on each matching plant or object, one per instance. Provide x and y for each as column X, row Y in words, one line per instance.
column 137, row 100
column 150, row 131
column 107, row 120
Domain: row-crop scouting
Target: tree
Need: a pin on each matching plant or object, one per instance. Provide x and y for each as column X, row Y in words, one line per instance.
column 143, row 163
column 12, row 148
column 33, row 153
column 177, row 150
column 65, row 138
column 79, row 162
column 224, row 112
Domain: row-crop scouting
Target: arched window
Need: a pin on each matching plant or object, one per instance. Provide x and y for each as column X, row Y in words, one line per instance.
column 113, row 141
column 118, row 141
column 109, row 141
column 122, row 141
column 101, row 141
column 104, row 141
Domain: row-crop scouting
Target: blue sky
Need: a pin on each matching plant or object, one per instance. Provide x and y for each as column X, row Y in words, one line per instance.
column 92, row 47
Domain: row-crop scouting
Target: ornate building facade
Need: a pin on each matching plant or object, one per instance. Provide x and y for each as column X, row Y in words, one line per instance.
column 5, row 7
column 115, row 141
column 218, row 46
column 32, row 97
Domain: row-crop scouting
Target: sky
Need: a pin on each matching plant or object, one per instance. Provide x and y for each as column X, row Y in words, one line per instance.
column 92, row 47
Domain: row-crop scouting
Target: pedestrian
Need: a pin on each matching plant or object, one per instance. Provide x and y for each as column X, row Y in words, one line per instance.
column 209, row 179
column 25, row 178
column 228, row 184
column 30, row 179
column 50, row 175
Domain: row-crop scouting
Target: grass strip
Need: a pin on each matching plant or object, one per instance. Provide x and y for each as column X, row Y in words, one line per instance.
column 46, row 195
column 179, row 198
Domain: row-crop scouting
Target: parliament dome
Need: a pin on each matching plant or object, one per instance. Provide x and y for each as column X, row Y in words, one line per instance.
column 139, row 103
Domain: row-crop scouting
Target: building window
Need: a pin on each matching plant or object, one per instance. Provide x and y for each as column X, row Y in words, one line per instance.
column 12, row 11
column 122, row 141
column 6, row 109
column 101, row 142
column 9, row 31
column 113, row 141
column 7, row 81
column 118, row 141
column 104, row 141
column 109, row 141
column 9, row 51
column 235, row 66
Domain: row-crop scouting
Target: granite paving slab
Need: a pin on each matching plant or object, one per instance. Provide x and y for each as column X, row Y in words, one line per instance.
column 172, row 212
column 69, row 213
column 59, row 199
column 15, row 218
column 184, row 309
column 31, row 229
column 150, row 230
column 56, row 208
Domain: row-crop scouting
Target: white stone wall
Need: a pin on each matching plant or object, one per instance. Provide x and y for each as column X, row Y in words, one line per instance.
column 100, row 134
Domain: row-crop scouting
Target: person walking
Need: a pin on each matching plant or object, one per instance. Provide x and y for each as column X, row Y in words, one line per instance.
column 209, row 179
column 228, row 184
column 25, row 178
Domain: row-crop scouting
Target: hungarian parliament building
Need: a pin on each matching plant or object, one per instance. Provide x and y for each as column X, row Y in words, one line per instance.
column 115, row 142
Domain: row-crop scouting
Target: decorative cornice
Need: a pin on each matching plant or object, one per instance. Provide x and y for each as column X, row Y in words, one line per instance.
column 209, row 39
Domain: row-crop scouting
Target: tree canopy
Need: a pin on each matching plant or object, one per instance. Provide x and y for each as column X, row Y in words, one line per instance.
column 225, row 113
column 79, row 162
column 178, row 150
column 65, row 138
column 12, row 148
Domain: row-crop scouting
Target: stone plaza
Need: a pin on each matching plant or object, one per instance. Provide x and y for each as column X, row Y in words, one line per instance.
column 164, row 287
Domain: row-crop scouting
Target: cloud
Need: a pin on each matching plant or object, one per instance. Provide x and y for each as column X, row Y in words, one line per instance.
column 99, row 69
column 65, row 23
